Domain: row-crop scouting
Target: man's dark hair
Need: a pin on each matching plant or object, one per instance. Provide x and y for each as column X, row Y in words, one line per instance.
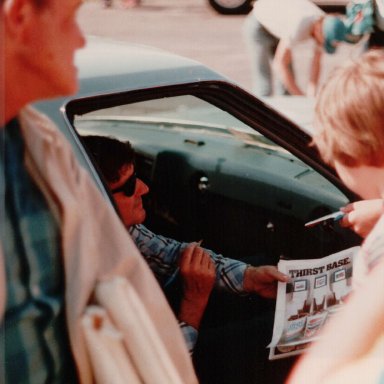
column 110, row 155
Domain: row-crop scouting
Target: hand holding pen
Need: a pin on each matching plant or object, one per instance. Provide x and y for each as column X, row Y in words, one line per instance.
column 361, row 216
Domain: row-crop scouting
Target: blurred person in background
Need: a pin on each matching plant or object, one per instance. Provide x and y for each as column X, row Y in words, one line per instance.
column 274, row 28
column 365, row 21
column 351, row 139
column 376, row 38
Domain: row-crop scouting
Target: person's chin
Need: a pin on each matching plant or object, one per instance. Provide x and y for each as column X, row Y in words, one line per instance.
column 70, row 84
column 71, row 87
column 143, row 216
column 138, row 218
column 67, row 89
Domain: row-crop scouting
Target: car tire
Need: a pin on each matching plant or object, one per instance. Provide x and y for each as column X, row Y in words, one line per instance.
column 231, row 7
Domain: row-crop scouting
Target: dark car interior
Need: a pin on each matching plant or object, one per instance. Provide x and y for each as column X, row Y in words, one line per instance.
column 224, row 168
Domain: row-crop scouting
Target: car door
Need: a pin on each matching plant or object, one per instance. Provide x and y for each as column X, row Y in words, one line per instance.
column 225, row 168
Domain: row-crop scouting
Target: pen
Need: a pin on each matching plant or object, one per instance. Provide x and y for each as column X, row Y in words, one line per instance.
column 335, row 216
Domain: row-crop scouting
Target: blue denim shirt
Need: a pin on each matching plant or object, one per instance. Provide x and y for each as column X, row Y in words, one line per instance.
column 34, row 334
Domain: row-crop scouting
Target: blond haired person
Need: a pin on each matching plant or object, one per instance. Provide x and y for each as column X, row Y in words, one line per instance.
column 350, row 120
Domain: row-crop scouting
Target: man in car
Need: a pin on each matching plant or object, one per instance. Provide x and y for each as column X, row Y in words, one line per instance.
column 274, row 28
column 166, row 256
column 58, row 235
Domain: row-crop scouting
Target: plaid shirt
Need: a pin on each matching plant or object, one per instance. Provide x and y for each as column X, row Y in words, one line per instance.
column 34, row 336
column 162, row 253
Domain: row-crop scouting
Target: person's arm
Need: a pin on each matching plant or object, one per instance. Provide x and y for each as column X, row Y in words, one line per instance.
column 348, row 337
column 241, row 278
column 198, row 276
column 160, row 252
column 314, row 71
column 361, row 216
column 282, row 62
column 263, row 280
column 162, row 255
column 190, row 335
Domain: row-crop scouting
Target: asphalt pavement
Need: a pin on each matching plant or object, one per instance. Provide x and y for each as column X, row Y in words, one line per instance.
column 193, row 29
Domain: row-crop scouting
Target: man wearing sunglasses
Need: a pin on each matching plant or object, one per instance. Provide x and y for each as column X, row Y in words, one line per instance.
column 199, row 268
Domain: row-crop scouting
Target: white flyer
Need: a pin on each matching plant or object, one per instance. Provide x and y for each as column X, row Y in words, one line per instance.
column 316, row 291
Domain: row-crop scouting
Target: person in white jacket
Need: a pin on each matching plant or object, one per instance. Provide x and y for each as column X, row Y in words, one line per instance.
column 53, row 248
column 274, row 28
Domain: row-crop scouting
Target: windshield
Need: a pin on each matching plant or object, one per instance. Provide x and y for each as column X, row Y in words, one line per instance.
column 178, row 114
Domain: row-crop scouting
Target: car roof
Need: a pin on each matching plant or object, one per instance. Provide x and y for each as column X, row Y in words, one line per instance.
column 110, row 66
column 107, row 65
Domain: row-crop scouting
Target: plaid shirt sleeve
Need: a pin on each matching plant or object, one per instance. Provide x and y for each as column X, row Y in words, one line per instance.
column 162, row 254
column 190, row 335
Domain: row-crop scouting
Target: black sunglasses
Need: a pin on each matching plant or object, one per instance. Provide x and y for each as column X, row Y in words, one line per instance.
column 128, row 188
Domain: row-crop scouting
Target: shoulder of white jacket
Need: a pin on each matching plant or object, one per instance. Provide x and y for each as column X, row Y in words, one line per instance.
column 37, row 124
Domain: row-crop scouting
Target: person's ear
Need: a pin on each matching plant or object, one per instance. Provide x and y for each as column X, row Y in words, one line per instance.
column 17, row 16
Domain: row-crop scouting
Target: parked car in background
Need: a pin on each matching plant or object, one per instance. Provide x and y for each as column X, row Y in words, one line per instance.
column 229, row 7
column 222, row 166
